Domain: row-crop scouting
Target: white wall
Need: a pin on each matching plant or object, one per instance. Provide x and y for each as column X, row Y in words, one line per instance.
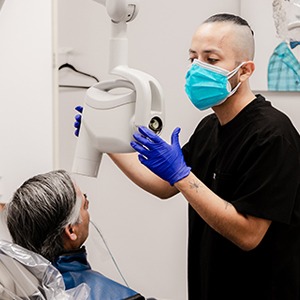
column 147, row 236
column 26, row 91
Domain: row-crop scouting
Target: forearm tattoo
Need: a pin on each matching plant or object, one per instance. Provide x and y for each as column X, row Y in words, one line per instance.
column 194, row 185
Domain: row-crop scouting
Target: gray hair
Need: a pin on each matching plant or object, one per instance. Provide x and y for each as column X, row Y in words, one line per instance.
column 40, row 210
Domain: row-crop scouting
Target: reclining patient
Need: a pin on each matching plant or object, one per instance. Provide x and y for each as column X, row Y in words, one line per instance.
column 49, row 215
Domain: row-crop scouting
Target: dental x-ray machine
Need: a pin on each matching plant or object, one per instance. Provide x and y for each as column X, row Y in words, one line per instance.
column 113, row 109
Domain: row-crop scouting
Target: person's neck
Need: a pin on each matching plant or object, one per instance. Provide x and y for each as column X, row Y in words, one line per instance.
column 232, row 106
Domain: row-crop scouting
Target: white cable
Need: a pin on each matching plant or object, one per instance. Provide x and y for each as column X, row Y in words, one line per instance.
column 107, row 248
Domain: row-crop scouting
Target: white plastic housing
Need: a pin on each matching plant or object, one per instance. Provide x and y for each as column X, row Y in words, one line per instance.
column 114, row 109
column 109, row 120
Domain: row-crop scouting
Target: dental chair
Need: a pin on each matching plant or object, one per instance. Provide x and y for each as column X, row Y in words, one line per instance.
column 27, row 275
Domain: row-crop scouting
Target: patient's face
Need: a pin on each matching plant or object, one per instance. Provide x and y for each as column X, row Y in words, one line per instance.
column 83, row 226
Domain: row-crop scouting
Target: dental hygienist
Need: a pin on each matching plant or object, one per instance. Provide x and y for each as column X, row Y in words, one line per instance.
column 239, row 172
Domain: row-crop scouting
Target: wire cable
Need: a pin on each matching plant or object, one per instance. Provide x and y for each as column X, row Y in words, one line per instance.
column 110, row 253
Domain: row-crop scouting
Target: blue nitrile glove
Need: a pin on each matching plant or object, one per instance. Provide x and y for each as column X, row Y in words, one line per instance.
column 163, row 159
column 77, row 122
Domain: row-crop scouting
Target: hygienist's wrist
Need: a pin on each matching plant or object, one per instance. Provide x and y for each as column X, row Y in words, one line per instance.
column 188, row 183
column 183, row 181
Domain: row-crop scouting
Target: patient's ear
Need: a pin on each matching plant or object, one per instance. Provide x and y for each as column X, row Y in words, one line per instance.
column 69, row 231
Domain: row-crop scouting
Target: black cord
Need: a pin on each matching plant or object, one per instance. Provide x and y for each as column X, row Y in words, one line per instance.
column 69, row 66
column 74, row 86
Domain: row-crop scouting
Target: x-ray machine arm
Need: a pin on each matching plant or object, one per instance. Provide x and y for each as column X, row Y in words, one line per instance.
column 109, row 119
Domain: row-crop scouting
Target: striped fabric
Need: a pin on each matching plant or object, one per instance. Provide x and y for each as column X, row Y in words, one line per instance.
column 283, row 70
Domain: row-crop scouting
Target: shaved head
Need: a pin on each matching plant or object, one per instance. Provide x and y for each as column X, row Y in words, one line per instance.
column 243, row 36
